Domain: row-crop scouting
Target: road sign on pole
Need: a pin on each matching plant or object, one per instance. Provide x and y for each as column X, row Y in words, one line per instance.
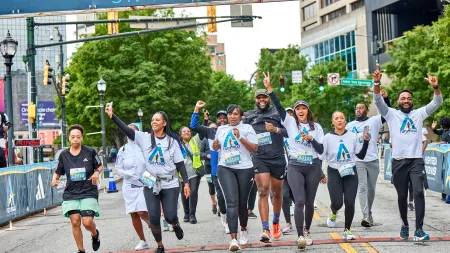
column 356, row 82
column 297, row 76
column 333, row 79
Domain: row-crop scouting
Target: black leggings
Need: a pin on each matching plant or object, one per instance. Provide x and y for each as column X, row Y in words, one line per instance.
column 236, row 185
column 220, row 199
column 212, row 190
column 190, row 204
column 168, row 198
column 346, row 188
column 252, row 197
column 287, row 200
column 304, row 181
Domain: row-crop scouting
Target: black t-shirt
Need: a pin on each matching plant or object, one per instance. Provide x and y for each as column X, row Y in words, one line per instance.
column 78, row 170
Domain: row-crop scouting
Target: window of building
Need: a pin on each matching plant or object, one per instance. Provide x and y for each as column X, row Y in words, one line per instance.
column 333, row 15
column 306, row 28
column 325, row 3
column 212, row 49
column 219, row 62
column 357, row 5
column 310, row 11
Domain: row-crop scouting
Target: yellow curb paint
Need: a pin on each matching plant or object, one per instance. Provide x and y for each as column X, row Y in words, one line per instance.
column 369, row 248
column 345, row 246
column 316, row 216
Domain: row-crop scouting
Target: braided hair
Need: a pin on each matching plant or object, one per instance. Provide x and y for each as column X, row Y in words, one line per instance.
column 168, row 131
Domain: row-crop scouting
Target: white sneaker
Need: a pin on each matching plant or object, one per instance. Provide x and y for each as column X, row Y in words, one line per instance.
column 234, row 245
column 243, row 239
column 223, row 218
column 331, row 220
column 142, row 245
column 308, row 238
column 301, row 243
column 287, row 229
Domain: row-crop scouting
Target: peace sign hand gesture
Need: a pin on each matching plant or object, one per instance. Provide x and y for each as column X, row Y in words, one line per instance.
column 267, row 82
column 377, row 74
column 432, row 80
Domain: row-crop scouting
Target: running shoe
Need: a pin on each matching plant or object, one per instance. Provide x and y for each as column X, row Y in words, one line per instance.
column 331, row 221
column 365, row 223
column 142, row 245
column 420, row 235
column 371, row 220
column 160, row 249
column 308, row 238
column 301, row 243
column 404, row 232
column 265, row 236
column 252, row 215
column 193, row 219
column 96, row 241
column 165, row 225
column 178, row 231
column 288, row 228
column 186, row 218
column 276, row 231
column 80, row 251
column 348, row 235
column 243, row 238
column 234, row 245
column 170, row 228
column 411, row 206
column 214, row 209
column 225, row 223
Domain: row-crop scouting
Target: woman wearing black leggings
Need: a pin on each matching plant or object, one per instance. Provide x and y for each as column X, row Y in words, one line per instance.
column 304, row 170
column 235, row 141
column 340, row 151
column 161, row 149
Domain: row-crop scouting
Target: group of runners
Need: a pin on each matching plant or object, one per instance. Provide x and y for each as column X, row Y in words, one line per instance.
column 281, row 150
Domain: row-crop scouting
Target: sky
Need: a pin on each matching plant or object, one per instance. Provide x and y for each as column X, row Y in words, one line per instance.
column 279, row 27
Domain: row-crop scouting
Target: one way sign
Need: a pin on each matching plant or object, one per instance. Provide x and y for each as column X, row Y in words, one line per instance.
column 333, row 79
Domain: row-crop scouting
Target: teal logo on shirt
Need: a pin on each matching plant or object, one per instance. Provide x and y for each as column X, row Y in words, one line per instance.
column 355, row 130
column 300, row 140
column 157, row 156
column 230, row 141
column 342, row 154
column 408, row 126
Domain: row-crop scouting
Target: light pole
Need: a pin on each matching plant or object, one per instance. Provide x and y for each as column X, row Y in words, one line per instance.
column 63, row 104
column 140, row 114
column 8, row 49
column 101, row 86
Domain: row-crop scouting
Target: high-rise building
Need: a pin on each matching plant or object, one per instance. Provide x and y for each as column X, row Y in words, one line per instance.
column 216, row 51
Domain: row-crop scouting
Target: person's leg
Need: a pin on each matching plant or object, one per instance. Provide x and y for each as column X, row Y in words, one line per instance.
column 312, row 180
column 89, row 224
column 194, row 184
column 229, row 186
column 211, row 188
column 220, row 199
column 277, row 172
column 263, row 183
column 185, row 202
column 417, row 177
column 75, row 221
column 400, row 179
column 245, row 181
column 363, row 188
column 286, row 206
column 252, row 199
column 350, row 191
column 335, row 189
column 373, row 169
column 169, row 205
column 296, row 180
column 154, row 213
column 137, row 224
column 144, row 216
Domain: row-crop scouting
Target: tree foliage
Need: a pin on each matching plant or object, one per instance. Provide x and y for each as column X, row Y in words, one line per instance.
column 423, row 49
column 322, row 104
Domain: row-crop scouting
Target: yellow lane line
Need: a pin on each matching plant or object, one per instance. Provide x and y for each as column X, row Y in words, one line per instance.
column 345, row 246
column 369, row 248
column 316, row 216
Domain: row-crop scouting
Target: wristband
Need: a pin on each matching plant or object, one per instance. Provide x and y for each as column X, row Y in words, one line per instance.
column 277, row 130
column 377, row 84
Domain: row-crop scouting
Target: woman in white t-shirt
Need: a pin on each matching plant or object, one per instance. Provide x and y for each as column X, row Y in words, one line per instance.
column 234, row 142
column 164, row 159
column 340, row 149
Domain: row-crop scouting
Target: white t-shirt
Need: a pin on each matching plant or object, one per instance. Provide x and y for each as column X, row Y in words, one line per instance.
column 233, row 153
column 357, row 127
column 339, row 151
column 424, row 132
column 406, row 132
column 161, row 159
column 298, row 147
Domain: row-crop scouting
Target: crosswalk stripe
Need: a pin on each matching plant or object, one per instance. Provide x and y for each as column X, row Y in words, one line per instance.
column 345, row 246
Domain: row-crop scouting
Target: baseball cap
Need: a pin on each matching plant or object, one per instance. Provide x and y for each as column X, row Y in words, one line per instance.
column 289, row 109
column 301, row 102
column 261, row 92
column 221, row 112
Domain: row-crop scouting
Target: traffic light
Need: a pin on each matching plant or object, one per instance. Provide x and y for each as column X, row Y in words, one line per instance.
column 48, row 74
column 32, row 112
column 282, row 89
column 65, row 85
column 321, row 88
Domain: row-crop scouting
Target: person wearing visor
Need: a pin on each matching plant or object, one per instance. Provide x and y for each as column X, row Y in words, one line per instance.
column 269, row 162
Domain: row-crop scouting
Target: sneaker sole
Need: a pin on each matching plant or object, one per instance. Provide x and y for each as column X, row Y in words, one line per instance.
column 234, row 248
column 265, row 239
column 331, row 225
column 301, row 244
column 420, row 239
column 365, row 224
column 287, row 232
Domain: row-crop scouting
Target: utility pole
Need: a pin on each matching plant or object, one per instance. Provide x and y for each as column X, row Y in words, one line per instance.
column 63, row 97
column 31, row 52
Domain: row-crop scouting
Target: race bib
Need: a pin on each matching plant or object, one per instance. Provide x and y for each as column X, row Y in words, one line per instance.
column 232, row 158
column 347, row 170
column 306, row 157
column 209, row 178
column 264, row 139
column 77, row 174
column 147, row 179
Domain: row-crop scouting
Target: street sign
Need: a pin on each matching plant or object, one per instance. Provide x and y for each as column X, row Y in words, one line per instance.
column 333, row 78
column 356, row 82
column 27, row 143
column 297, row 76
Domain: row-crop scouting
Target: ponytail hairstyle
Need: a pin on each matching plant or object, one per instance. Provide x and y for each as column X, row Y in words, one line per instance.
column 168, row 131
column 309, row 118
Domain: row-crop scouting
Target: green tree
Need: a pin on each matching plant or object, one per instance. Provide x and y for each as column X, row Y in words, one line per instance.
column 162, row 71
column 423, row 49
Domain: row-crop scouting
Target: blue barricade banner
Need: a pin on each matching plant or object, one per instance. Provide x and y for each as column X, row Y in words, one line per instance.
column 387, row 164
column 434, row 166
column 446, row 173
column 39, row 179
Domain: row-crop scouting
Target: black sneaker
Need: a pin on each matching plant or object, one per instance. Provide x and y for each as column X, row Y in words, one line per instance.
column 411, row 206
column 96, row 241
column 80, row 251
column 252, row 215
column 186, row 218
column 160, row 249
column 404, row 232
column 214, row 209
column 178, row 232
column 192, row 219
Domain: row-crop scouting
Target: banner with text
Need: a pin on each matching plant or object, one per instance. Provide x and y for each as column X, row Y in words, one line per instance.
column 45, row 113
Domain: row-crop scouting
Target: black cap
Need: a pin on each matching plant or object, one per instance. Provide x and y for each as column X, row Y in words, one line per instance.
column 221, row 112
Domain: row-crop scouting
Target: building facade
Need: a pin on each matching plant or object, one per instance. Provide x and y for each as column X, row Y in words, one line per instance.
column 216, row 51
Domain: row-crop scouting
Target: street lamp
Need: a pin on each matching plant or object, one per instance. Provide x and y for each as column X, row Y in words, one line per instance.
column 101, row 86
column 8, row 48
column 140, row 114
